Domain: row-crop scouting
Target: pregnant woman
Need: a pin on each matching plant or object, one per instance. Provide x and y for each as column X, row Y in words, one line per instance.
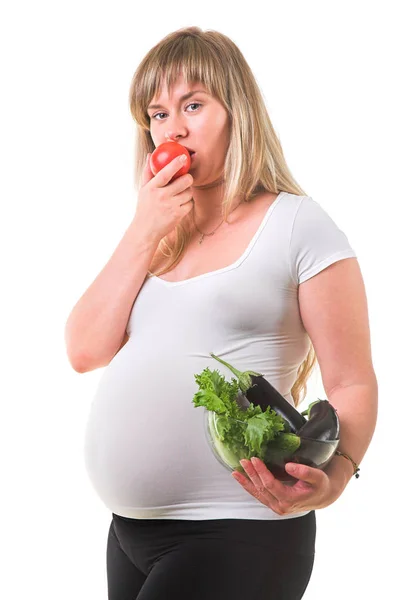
column 233, row 258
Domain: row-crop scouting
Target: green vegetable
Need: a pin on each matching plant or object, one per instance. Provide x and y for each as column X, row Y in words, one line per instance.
column 243, row 433
column 227, row 455
column 282, row 447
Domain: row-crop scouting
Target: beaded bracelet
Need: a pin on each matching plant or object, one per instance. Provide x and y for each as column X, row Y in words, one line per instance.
column 355, row 466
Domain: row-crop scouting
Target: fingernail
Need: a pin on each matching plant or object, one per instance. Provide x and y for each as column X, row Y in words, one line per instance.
column 183, row 158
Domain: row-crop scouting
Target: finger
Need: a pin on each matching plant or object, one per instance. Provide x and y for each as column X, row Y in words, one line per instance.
column 302, row 472
column 262, row 496
column 257, row 481
column 252, row 474
column 147, row 174
column 275, row 488
column 263, row 472
column 284, row 499
column 163, row 177
column 305, row 473
column 278, row 491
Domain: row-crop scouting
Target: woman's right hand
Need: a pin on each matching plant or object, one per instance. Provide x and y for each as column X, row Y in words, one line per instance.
column 163, row 204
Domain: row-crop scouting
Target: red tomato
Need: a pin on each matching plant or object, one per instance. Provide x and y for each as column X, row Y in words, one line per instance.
column 163, row 155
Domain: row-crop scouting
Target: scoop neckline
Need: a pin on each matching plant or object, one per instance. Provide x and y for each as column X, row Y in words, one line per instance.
column 253, row 240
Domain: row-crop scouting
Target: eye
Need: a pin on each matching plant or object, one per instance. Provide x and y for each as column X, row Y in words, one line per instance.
column 160, row 113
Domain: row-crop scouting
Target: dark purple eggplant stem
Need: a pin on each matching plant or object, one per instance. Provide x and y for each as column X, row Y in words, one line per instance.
column 261, row 393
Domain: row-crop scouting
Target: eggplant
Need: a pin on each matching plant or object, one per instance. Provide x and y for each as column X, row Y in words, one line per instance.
column 261, row 393
column 323, row 422
column 318, row 441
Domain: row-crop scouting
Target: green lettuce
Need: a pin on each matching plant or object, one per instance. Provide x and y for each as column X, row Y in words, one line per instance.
column 244, row 432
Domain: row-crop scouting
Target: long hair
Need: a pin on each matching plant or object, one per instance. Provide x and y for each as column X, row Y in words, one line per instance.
column 212, row 59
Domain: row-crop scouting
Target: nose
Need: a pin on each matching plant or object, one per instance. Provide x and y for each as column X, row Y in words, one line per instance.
column 172, row 136
column 176, row 132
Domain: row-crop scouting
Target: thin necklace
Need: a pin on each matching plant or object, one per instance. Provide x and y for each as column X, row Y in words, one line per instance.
column 204, row 234
column 212, row 233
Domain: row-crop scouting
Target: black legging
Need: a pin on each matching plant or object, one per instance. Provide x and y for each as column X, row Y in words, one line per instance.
column 219, row 559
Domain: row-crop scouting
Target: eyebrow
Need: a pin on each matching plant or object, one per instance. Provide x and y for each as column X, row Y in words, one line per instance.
column 184, row 97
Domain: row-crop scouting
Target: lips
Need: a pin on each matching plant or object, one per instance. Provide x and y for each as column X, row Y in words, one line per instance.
column 189, row 150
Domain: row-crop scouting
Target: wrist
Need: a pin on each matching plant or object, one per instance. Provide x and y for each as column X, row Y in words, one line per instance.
column 340, row 471
column 145, row 242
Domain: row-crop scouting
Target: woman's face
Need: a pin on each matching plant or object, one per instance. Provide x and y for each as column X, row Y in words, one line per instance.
column 199, row 122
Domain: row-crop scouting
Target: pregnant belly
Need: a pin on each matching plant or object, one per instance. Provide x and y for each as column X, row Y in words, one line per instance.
column 147, row 448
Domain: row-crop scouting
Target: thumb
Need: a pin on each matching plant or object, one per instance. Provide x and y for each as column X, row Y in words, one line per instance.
column 306, row 474
column 147, row 173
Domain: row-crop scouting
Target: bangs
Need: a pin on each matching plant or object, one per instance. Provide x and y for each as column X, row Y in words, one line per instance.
column 191, row 58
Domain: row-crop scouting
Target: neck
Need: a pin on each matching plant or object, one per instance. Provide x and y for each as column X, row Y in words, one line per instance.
column 208, row 198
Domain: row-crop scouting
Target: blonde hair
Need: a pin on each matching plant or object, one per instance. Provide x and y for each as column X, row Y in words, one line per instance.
column 212, row 59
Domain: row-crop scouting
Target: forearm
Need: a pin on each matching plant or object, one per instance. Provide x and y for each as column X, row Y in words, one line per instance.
column 96, row 325
column 357, row 408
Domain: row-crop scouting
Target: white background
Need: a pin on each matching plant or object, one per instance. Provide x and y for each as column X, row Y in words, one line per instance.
column 328, row 72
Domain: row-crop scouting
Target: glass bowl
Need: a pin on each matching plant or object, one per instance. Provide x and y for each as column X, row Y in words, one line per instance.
column 314, row 453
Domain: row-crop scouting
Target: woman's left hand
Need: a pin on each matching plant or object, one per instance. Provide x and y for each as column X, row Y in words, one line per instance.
column 313, row 490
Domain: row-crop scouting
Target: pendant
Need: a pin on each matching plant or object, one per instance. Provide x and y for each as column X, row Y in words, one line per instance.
column 203, row 234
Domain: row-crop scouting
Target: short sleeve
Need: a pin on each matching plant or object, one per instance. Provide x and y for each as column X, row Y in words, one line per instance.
column 316, row 241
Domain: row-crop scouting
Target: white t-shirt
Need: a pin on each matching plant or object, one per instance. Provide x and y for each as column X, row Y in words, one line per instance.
column 146, row 451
